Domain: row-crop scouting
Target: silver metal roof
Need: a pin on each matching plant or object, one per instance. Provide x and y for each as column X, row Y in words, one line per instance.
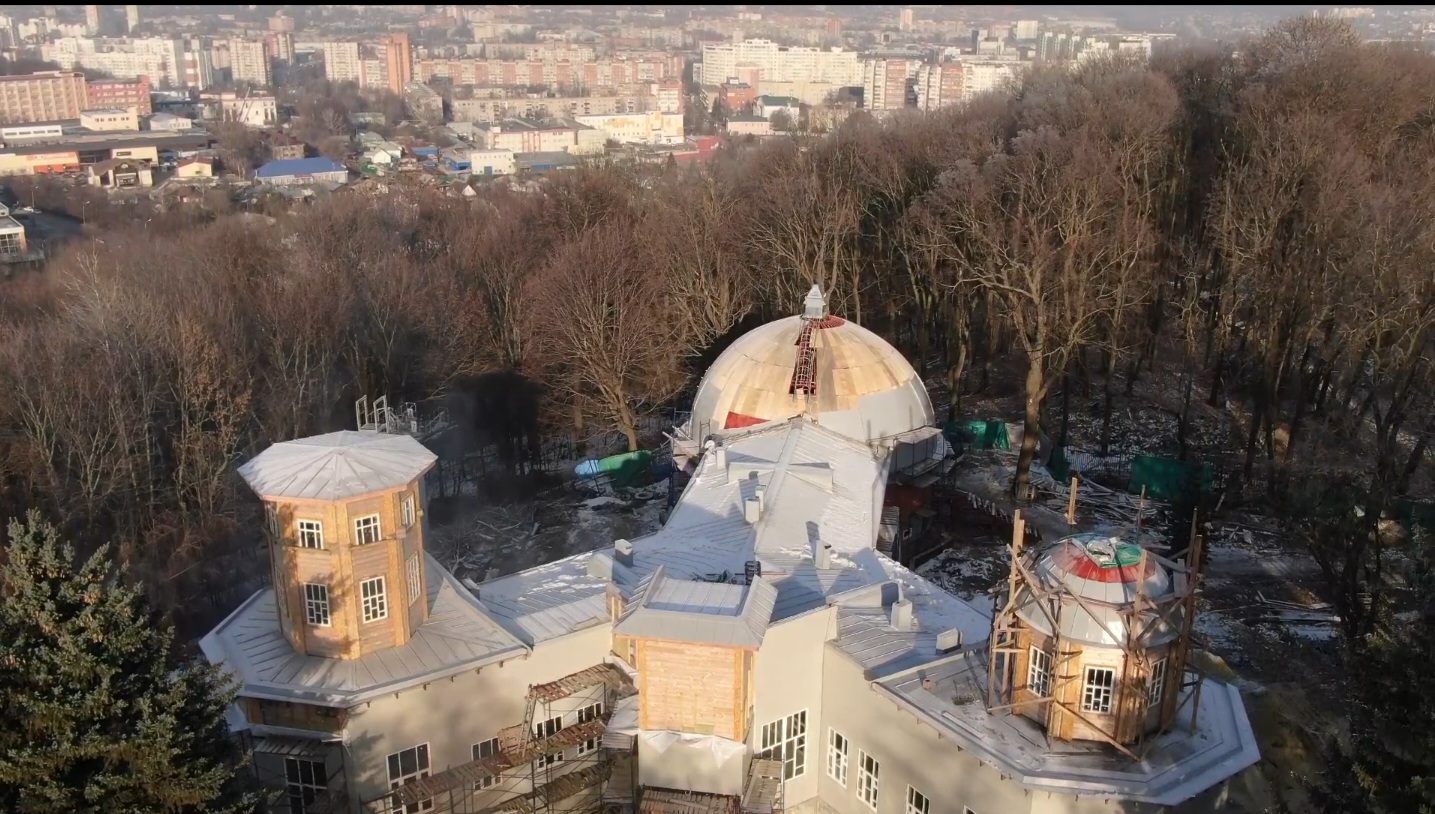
column 458, row 636
column 550, row 600
column 701, row 612
column 1075, row 565
column 337, row 465
column 1179, row 764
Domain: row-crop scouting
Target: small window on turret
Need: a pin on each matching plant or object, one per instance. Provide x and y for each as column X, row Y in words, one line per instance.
column 310, row 533
column 409, row 515
column 366, row 530
column 271, row 518
column 1156, row 690
column 1100, row 685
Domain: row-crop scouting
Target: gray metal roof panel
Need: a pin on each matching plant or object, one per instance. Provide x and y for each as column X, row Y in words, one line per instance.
column 457, row 636
column 337, row 465
column 550, row 600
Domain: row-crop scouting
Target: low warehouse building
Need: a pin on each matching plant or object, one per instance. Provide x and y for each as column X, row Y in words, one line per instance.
column 302, row 171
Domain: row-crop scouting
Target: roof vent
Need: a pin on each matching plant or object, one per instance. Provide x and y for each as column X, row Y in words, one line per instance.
column 902, row 615
column 720, row 458
column 949, row 641
column 751, row 570
column 752, row 509
column 814, row 306
column 761, row 498
column 623, row 552
column 824, row 555
column 600, row 567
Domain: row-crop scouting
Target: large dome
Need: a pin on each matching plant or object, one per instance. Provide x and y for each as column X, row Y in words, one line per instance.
column 856, row 383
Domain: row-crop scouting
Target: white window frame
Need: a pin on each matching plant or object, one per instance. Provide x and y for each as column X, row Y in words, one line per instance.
column 316, row 604
column 481, row 750
column 1038, row 672
column 373, row 601
column 415, row 584
column 295, row 785
column 869, row 786
column 271, row 520
column 786, row 740
column 1156, row 689
column 917, row 802
column 307, row 531
column 592, row 712
column 1098, row 697
column 408, row 512
column 421, row 770
column 837, row 747
column 367, row 530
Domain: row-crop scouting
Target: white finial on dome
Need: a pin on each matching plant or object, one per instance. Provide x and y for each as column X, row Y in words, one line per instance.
column 815, row 305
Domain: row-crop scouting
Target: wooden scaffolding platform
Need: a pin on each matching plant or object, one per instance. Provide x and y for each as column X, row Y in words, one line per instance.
column 521, row 748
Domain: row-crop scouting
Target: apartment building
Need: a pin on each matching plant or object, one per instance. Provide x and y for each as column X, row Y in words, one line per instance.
column 249, row 62
column 398, row 62
column 780, row 63
column 488, row 110
column 40, row 97
column 603, row 73
column 884, row 83
column 940, row 85
column 343, row 61
column 116, row 94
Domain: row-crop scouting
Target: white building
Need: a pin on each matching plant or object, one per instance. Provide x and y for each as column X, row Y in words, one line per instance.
column 985, row 75
column 491, row 162
column 637, row 128
column 765, row 106
column 546, row 136
column 758, row 653
column 940, row 85
column 343, row 61
column 780, row 63
column 250, row 110
column 166, row 62
column 249, row 62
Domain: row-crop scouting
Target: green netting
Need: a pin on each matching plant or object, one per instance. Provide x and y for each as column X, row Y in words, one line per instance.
column 1170, row 479
column 1127, row 555
column 1412, row 513
column 986, row 433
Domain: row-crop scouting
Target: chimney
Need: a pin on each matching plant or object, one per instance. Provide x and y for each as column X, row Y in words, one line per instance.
column 752, row 569
column 623, row 552
column 720, row 458
column 762, row 498
column 949, row 641
column 824, row 555
column 902, row 615
column 752, row 509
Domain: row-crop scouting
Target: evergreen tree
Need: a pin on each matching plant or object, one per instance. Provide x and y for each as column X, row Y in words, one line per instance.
column 99, row 712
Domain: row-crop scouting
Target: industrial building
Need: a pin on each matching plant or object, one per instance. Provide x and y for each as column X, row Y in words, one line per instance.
column 302, row 172
column 761, row 652
column 57, row 148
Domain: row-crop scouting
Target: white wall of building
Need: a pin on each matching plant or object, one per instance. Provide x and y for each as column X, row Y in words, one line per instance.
column 638, row 128
column 780, row 63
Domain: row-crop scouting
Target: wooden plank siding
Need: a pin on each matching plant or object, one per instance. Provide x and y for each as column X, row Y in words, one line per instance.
column 695, row 688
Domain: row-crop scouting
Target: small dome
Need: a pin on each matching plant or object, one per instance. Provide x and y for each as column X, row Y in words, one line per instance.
column 856, row 383
column 1107, row 572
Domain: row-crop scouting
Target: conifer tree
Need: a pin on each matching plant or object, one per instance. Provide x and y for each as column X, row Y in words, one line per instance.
column 99, row 710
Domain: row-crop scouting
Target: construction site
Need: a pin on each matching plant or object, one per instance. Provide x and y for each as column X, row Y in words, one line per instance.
column 767, row 647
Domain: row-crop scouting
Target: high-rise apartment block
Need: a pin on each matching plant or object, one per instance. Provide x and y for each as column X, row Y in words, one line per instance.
column 92, row 20
column 116, row 95
column 42, row 97
column 281, row 47
column 907, row 19
column 249, row 62
column 399, row 62
column 780, row 63
column 884, row 83
column 342, row 62
column 940, row 85
column 132, row 18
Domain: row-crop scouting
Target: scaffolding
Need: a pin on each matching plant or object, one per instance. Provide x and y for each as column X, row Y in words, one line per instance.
column 1139, row 618
column 378, row 416
column 530, row 773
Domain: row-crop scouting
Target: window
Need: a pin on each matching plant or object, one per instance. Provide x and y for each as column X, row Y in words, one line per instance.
column 786, row 740
column 310, row 533
column 306, row 783
column 917, row 802
column 407, row 510
column 547, row 729
column 1156, row 690
column 406, row 767
column 271, row 518
column 486, row 749
column 373, row 600
column 415, row 585
column 592, row 712
column 837, row 757
column 366, row 530
column 316, row 604
column 1096, row 697
column 867, row 770
column 1038, row 673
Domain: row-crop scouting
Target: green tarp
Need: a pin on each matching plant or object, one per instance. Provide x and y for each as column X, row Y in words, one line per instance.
column 1169, row 479
column 977, row 434
column 1413, row 513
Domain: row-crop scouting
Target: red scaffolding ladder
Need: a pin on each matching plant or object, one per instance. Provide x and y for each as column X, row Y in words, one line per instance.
column 803, row 375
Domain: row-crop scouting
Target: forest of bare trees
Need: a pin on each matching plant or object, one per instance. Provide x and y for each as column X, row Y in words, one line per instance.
column 1261, row 222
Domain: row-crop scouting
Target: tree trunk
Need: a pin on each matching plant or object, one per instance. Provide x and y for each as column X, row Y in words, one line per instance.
column 1183, row 427
column 1031, row 427
column 1110, row 366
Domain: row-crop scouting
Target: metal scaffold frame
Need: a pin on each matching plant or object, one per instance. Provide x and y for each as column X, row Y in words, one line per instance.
column 1140, row 618
column 333, row 800
column 523, row 785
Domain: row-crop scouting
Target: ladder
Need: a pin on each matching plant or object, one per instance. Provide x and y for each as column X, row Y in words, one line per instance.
column 803, row 375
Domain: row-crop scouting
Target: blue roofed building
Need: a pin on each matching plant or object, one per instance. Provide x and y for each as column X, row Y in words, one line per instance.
column 302, row 171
